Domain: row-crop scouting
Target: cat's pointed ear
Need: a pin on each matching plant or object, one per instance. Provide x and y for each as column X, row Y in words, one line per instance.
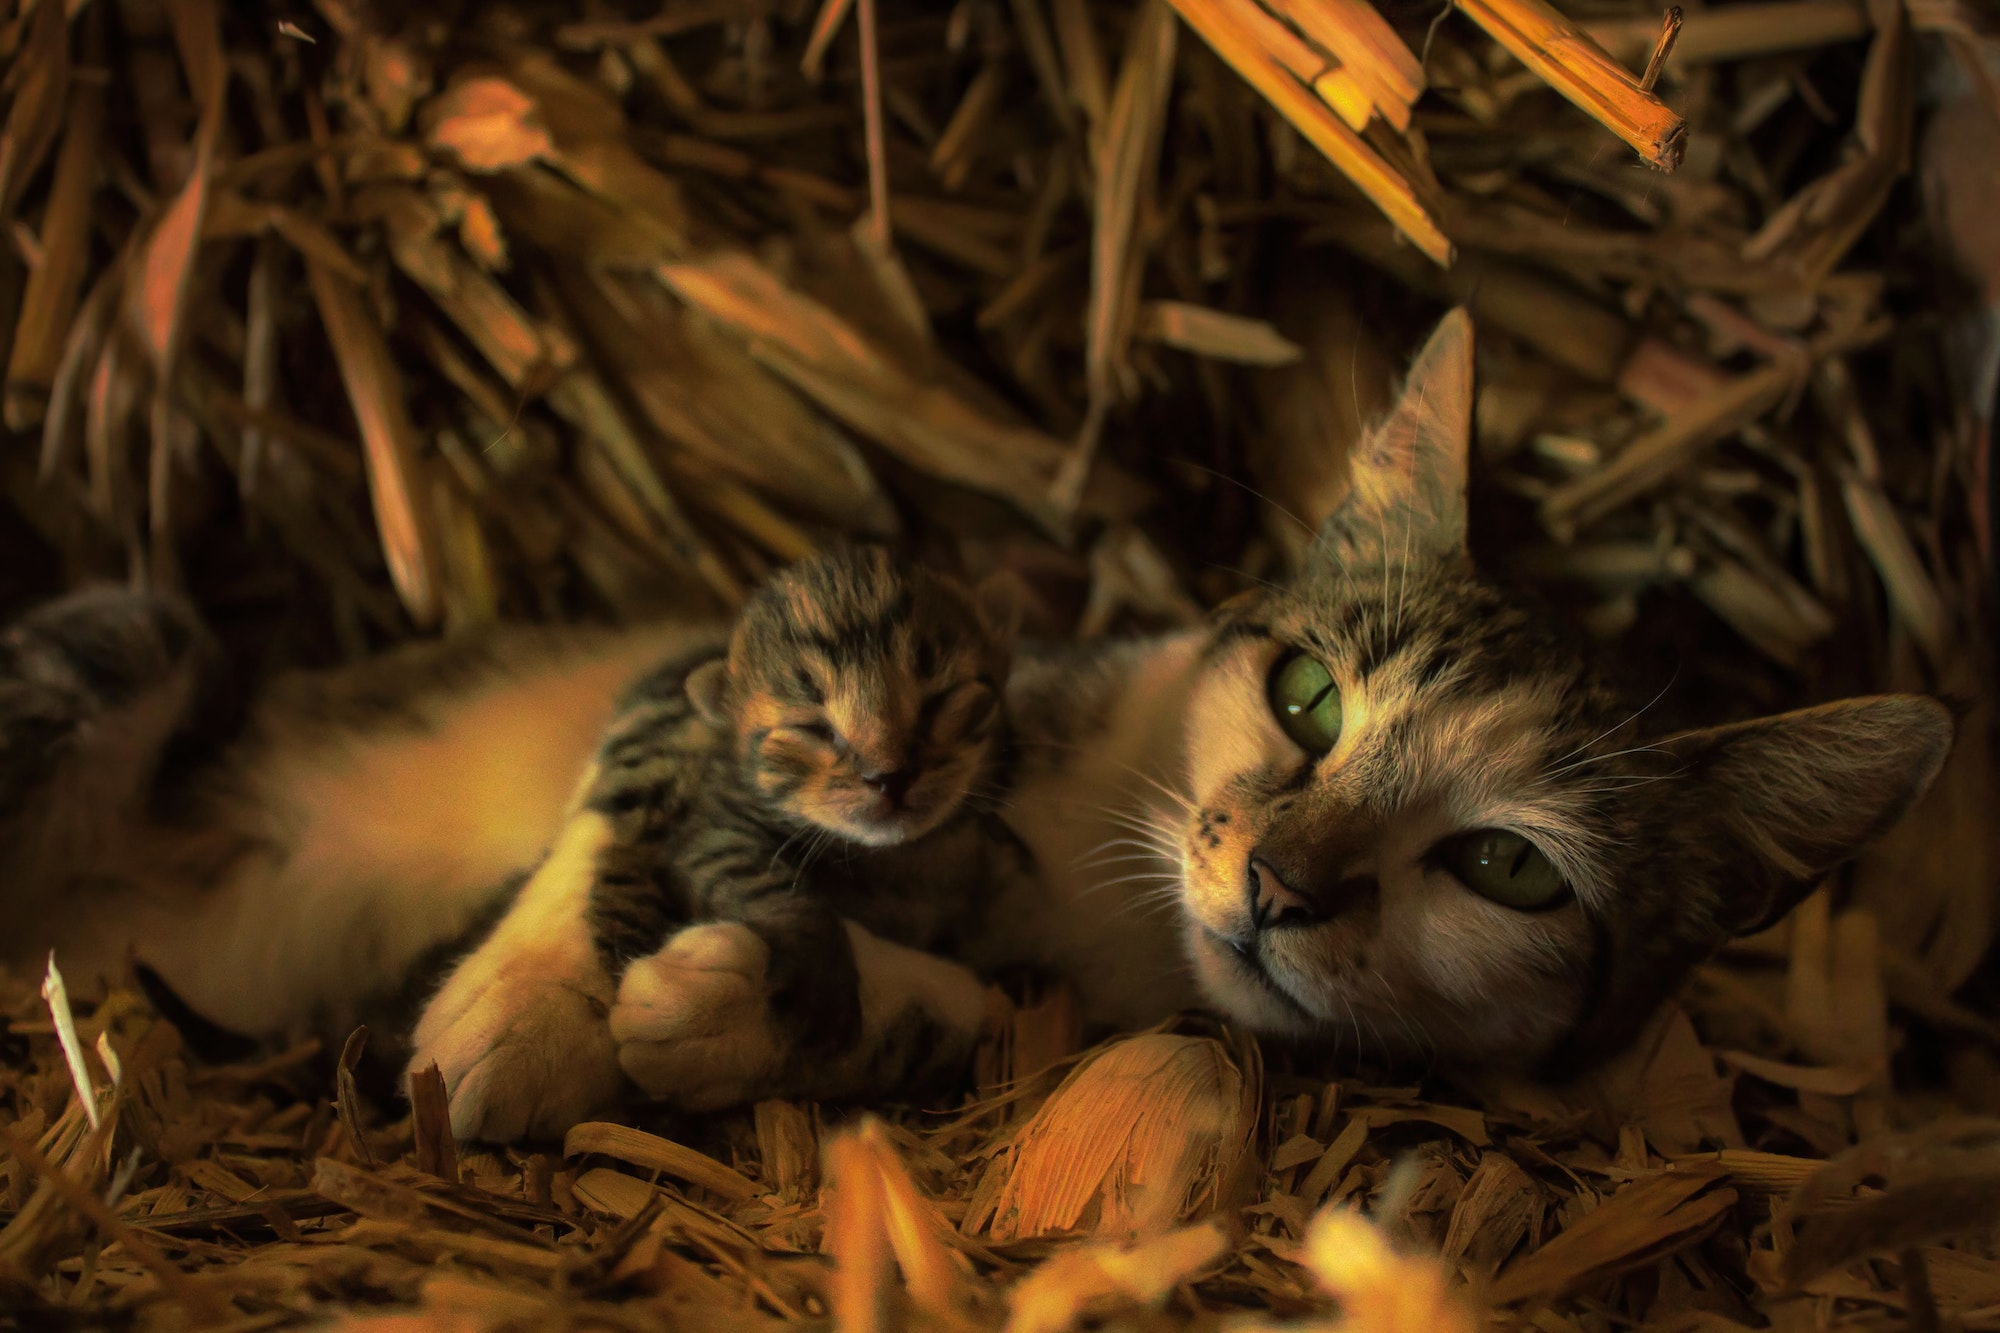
column 1788, row 798
column 1406, row 499
column 706, row 685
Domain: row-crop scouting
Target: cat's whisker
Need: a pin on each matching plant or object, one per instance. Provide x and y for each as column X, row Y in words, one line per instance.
column 1642, row 710
column 1572, row 766
column 1246, row 487
column 1180, row 799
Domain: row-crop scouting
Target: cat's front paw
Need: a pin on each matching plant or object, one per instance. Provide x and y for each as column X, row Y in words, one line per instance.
column 523, row 1046
column 693, row 1022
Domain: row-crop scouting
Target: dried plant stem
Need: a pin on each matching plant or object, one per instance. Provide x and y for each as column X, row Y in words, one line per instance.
column 871, row 105
column 1222, row 28
column 1670, row 32
column 1578, row 68
column 1652, row 457
column 1738, row 31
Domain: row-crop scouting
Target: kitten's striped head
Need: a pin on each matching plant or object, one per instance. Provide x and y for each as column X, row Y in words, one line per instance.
column 863, row 695
column 1422, row 823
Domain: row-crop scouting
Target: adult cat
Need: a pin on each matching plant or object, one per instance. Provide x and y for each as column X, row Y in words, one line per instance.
column 1386, row 801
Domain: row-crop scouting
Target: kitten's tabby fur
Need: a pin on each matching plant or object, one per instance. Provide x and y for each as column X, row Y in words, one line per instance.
column 838, row 761
column 354, row 845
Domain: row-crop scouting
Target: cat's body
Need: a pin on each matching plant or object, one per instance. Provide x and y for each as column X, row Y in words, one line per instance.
column 1384, row 804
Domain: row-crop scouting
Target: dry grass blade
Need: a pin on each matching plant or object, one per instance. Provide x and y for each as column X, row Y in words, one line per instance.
column 1815, row 227
column 41, row 96
column 56, row 284
column 430, row 1119
column 1578, row 68
column 656, row 1154
column 860, row 382
column 1214, row 333
column 1640, row 1223
column 1647, row 461
column 1882, row 535
column 1733, row 32
column 1224, row 29
column 389, row 442
column 1368, row 49
column 1127, row 157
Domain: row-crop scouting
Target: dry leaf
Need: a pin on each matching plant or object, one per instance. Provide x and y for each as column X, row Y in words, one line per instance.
column 488, row 124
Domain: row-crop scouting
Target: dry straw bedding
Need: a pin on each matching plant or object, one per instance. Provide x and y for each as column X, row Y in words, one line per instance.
column 362, row 321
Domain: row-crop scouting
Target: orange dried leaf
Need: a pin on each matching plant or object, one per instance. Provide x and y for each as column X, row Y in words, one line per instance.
column 488, row 124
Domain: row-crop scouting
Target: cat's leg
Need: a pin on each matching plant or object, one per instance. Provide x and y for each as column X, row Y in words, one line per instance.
column 714, row 1018
column 519, row 1029
column 373, row 815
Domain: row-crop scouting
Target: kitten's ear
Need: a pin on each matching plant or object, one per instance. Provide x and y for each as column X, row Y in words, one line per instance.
column 1002, row 598
column 1406, row 499
column 706, row 685
column 1796, row 794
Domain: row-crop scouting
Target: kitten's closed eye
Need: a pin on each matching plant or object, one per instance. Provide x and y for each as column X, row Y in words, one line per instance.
column 953, row 714
column 818, row 728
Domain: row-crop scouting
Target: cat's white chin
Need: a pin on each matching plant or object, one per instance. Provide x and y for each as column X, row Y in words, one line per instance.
column 1232, row 984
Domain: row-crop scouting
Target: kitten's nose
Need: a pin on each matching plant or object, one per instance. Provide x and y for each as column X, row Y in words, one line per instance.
column 1274, row 902
column 893, row 784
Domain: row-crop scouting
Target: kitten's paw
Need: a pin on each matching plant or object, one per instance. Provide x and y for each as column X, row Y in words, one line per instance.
column 523, row 1047
column 693, row 1022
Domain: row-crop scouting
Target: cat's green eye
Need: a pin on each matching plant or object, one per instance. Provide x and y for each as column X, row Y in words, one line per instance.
column 1306, row 702
column 1505, row 868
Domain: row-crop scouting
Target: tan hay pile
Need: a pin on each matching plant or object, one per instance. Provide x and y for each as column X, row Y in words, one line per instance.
column 374, row 320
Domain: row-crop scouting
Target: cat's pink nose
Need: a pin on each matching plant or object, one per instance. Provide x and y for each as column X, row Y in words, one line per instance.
column 1274, row 902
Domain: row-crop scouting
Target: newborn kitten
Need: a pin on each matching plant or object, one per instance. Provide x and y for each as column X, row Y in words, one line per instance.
column 833, row 765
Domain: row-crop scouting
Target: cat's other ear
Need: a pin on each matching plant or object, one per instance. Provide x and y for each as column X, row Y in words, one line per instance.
column 706, row 686
column 1796, row 794
column 1406, row 496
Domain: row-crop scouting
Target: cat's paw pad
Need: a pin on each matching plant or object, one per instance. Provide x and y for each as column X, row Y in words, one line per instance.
column 693, row 1022
column 524, row 1049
